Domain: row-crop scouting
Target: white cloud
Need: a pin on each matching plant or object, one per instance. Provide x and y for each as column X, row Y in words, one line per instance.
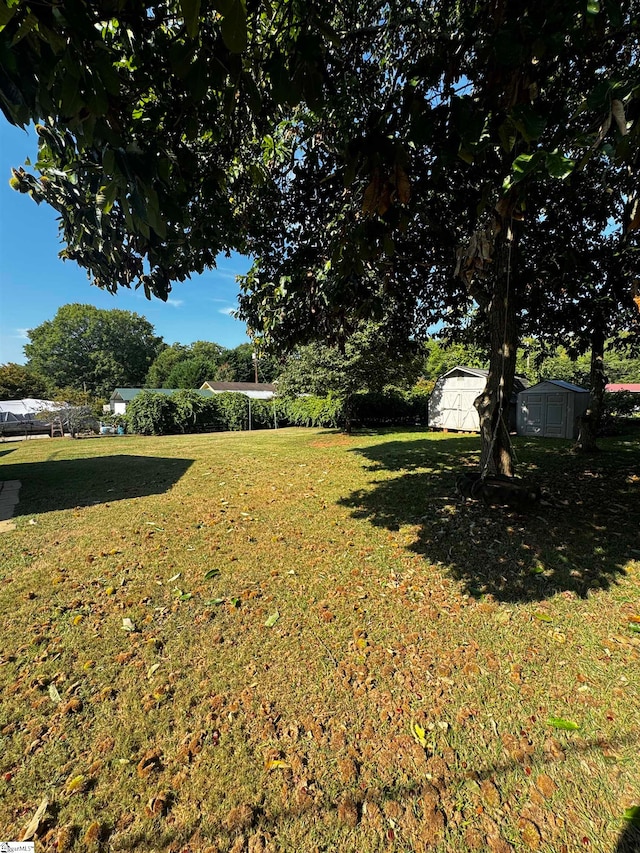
column 228, row 310
column 175, row 302
column 22, row 334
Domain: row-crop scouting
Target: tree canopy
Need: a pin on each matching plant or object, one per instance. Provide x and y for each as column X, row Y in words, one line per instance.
column 92, row 349
column 17, row 382
column 402, row 151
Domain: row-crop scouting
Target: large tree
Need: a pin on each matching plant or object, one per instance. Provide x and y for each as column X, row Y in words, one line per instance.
column 578, row 268
column 92, row 349
column 380, row 138
column 17, row 381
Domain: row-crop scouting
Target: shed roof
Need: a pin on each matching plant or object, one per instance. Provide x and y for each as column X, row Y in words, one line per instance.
column 560, row 383
column 519, row 382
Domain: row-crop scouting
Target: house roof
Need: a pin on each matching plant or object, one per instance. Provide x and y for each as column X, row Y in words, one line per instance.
column 633, row 387
column 125, row 395
column 519, row 382
column 239, row 386
column 560, row 383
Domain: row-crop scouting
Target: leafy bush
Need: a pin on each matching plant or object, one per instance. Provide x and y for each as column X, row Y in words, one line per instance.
column 315, row 411
column 188, row 410
column 151, row 414
column 392, row 406
column 617, row 407
column 621, row 404
column 234, row 410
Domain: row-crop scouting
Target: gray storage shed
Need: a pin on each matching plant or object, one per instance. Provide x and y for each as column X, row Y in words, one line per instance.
column 551, row 409
column 451, row 401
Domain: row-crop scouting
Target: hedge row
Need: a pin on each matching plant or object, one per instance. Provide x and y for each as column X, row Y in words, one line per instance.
column 187, row 411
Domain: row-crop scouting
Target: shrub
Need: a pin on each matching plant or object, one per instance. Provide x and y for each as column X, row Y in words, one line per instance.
column 234, row 410
column 315, row 411
column 188, row 410
column 150, row 413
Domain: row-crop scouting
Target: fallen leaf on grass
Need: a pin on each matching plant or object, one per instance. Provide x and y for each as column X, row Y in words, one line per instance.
column 212, row 573
column 561, row 723
column 128, row 625
column 542, row 617
column 92, row 835
column 419, row 735
column 158, row 806
column 276, row 764
column 53, row 693
column 76, row 784
column 149, row 762
column 34, row 824
column 271, row 620
column 632, row 815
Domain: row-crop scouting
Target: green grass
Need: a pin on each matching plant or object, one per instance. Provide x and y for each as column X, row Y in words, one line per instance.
column 328, row 651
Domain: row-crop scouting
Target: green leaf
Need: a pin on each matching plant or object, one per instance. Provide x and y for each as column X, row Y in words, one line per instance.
column 561, row 723
column 632, row 814
column 593, row 7
column 212, row 573
column 530, row 124
column 234, row 24
column 559, row 166
column 271, row 620
column 634, row 627
column 6, row 13
column 215, row 601
column 419, row 735
column 543, row 617
column 191, row 15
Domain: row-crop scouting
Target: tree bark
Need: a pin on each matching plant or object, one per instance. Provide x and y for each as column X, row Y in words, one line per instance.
column 590, row 421
column 493, row 404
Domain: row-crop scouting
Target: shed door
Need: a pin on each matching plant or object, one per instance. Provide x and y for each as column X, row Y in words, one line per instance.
column 556, row 416
column 534, row 415
column 450, row 408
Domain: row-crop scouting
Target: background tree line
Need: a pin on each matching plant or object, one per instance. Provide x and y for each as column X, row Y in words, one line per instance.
column 85, row 352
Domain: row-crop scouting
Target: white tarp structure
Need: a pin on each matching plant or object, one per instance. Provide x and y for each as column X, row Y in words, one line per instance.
column 12, row 411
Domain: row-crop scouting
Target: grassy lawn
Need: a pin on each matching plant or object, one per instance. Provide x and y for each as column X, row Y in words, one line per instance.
column 301, row 641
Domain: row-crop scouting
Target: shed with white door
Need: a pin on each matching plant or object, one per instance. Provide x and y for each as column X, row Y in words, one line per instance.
column 451, row 401
column 551, row 409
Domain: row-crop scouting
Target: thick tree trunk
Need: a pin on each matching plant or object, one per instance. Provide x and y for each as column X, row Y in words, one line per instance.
column 590, row 421
column 493, row 404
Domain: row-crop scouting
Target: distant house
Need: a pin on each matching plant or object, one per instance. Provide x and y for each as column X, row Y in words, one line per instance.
column 121, row 397
column 551, row 409
column 451, row 401
column 630, row 387
column 255, row 390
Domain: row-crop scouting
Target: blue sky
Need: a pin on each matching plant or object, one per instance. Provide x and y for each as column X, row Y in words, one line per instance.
column 34, row 282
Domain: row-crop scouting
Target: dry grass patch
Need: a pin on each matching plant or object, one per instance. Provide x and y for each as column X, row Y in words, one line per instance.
column 298, row 641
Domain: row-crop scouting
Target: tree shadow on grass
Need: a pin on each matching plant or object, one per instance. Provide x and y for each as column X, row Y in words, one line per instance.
column 68, row 483
column 629, row 841
column 581, row 537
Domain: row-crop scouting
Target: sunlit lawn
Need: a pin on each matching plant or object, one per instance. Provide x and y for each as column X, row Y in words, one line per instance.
column 301, row 641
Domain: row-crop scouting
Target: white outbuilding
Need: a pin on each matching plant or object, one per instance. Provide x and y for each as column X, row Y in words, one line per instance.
column 451, row 401
column 551, row 409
